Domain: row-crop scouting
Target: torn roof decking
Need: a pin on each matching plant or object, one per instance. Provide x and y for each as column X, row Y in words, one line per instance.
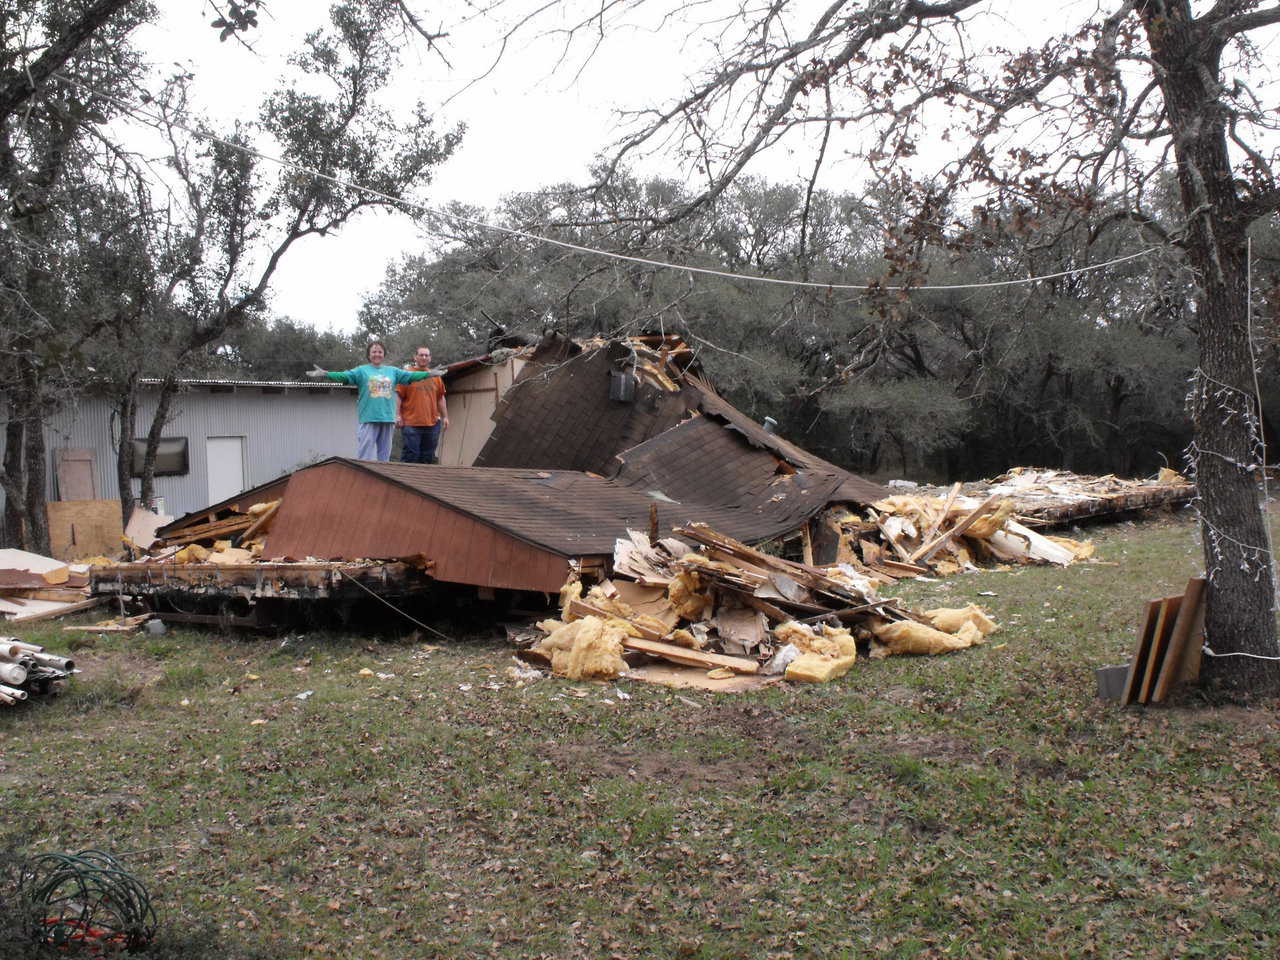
column 558, row 415
column 510, row 528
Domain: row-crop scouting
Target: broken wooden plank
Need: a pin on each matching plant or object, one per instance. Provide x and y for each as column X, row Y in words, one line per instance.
column 1165, row 620
column 1185, row 642
column 61, row 610
column 210, row 531
column 689, row 657
column 929, row 534
column 261, row 522
column 927, row 550
column 1146, row 626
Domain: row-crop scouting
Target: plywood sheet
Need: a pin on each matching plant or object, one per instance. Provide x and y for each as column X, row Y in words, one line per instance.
column 76, row 469
column 695, row 678
column 79, row 529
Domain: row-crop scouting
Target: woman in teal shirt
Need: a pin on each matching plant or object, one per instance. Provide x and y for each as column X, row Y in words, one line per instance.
column 376, row 403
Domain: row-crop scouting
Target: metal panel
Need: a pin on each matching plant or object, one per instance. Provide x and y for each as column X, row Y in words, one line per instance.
column 283, row 431
column 337, row 511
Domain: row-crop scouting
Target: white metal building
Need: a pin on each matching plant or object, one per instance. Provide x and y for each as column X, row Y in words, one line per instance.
column 236, row 434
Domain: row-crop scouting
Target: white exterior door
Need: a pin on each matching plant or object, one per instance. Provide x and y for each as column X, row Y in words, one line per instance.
column 226, row 466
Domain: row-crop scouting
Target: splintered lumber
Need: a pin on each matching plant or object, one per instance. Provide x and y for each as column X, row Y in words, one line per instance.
column 217, row 529
column 1182, row 659
column 927, row 550
column 809, row 576
column 1169, row 607
column 262, row 520
column 1146, row 628
column 651, row 642
column 692, row 658
column 928, row 535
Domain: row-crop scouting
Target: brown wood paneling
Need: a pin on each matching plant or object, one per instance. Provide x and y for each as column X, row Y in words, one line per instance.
column 335, row 511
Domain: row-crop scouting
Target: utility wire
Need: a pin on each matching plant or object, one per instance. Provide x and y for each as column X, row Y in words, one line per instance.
column 161, row 123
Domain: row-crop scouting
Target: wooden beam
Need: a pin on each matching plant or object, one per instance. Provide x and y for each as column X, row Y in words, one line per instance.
column 651, row 642
column 1146, row 627
column 1169, row 607
column 927, row 550
column 1184, row 639
column 61, row 611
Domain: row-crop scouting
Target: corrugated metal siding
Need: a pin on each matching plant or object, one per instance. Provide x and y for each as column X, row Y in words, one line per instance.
column 283, row 431
column 339, row 512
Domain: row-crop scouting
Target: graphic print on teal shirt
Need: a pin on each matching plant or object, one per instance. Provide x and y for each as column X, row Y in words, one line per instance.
column 376, row 403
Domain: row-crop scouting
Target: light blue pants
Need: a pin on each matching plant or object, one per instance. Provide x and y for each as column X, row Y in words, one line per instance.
column 373, row 441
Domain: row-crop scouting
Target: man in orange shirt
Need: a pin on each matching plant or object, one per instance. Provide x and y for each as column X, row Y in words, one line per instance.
column 423, row 413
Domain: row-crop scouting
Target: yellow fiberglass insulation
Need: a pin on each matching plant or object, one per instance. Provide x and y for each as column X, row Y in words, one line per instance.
column 191, row 553
column 602, row 601
column 684, row 638
column 815, row 668
column 572, row 590
column 911, row 637
column 992, row 522
column 685, row 594
column 951, row 619
column 832, row 642
column 1083, row 549
column 586, row 649
column 702, row 560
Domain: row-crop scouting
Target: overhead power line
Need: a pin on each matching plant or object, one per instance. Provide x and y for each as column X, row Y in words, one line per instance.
column 161, row 123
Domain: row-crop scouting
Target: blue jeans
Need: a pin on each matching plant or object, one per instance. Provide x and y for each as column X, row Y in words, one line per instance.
column 373, row 441
column 418, row 444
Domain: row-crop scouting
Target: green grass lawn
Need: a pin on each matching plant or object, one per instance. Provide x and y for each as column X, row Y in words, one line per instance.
column 983, row 804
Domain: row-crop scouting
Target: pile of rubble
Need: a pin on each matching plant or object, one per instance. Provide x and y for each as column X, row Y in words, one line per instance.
column 35, row 587
column 231, row 540
column 913, row 534
column 27, row 668
column 731, row 609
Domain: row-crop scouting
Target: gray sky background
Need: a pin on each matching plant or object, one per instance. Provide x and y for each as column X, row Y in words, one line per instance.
column 527, row 126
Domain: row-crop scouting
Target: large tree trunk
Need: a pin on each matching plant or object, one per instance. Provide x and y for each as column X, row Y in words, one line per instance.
column 37, row 477
column 15, row 491
column 127, row 413
column 158, row 422
column 1226, row 450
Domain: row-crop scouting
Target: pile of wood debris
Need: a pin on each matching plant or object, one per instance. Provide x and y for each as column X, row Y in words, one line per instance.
column 27, row 668
column 945, row 531
column 733, row 610
column 34, row 587
column 235, row 539
column 1044, row 496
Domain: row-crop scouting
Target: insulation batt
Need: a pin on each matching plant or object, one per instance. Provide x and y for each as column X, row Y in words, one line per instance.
column 911, row 637
column 586, row 649
column 951, row 619
column 572, row 590
column 191, row 553
column 815, row 668
column 685, row 594
column 990, row 523
column 831, row 642
column 823, row 655
column 600, row 599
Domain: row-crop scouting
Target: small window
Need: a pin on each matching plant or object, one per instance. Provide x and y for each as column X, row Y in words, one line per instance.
column 171, row 457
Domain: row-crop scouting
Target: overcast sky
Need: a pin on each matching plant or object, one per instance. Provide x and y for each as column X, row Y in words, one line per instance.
column 528, row 125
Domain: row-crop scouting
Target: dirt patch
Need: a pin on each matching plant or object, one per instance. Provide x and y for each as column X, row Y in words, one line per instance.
column 939, row 746
column 114, row 665
column 1262, row 719
column 901, row 696
column 658, row 766
column 772, row 730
